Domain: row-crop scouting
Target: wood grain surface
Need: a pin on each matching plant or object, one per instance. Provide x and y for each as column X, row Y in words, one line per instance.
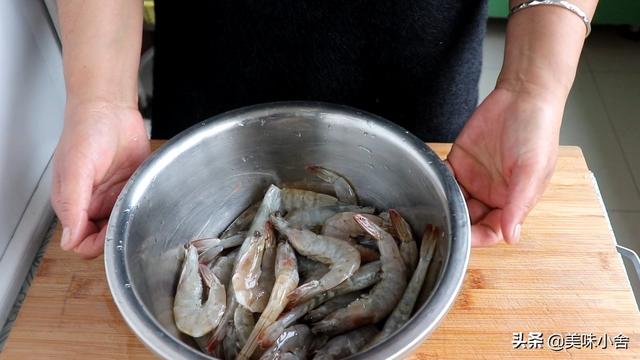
column 564, row 277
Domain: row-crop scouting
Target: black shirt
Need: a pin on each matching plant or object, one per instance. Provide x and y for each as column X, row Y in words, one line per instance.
column 414, row 62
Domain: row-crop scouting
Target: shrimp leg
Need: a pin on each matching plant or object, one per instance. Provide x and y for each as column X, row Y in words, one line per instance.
column 342, row 258
column 382, row 298
column 192, row 317
column 403, row 310
column 408, row 247
column 286, row 270
column 342, row 187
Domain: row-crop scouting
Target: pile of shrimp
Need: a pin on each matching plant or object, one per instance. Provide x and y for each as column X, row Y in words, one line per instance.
column 302, row 275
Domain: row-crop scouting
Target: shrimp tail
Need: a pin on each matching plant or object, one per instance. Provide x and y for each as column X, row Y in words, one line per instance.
column 300, row 294
column 399, row 225
column 367, row 226
column 208, row 276
column 342, row 187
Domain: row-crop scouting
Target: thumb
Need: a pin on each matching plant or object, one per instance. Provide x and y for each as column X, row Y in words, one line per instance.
column 526, row 186
column 71, row 196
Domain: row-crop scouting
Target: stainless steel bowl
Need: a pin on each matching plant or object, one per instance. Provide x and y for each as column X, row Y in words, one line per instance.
column 202, row 179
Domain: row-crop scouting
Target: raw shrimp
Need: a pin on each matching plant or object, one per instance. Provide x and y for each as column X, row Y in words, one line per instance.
column 342, row 258
column 331, row 305
column 293, row 199
column 223, row 267
column 408, row 247
column 267, row 268
column 403, row 310
column 382, row 298
column 247, row 270
column 346, row 344
column 342, row 187
column 316, row 216
column 244, row 322
column 293, row 343
column 210, row 248
column 343, row 226
column 192, row 317
column 242, row 222
column 286, row 270
column 366, row 276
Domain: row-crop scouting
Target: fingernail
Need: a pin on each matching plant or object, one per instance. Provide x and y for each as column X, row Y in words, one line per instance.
column 65, row 239
column 516, row 233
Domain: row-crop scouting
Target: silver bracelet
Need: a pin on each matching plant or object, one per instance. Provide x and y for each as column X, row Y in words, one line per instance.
column 561, row 3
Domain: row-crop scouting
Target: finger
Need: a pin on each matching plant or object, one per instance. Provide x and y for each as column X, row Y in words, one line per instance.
column 526, row 186
column 71, row 196
column 487, row 232
column 93, row 245
column 103, row 200
column 477, row 210
column 465, row 193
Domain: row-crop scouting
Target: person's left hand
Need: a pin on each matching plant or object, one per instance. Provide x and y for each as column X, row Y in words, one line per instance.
column 503, row 159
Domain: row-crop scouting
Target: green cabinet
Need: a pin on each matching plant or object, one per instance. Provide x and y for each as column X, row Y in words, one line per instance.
column 611, row 12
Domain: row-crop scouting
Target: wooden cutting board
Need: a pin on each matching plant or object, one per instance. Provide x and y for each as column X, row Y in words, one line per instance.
column 564, row 277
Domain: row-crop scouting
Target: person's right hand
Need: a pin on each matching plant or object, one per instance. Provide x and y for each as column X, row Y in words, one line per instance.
column 101, row 146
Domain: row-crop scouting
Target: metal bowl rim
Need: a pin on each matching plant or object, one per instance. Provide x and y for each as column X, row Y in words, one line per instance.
column 154, row 336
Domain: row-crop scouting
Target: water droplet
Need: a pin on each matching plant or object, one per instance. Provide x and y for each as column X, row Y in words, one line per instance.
column 120, row 247
column 245, row 158
column 366, row 133
column 202, row 123
column 127, row 285
column 299, row 134
column 371, row 165
column 241, row 124
column 373, row 136
column 262, row 122
column 364, row 149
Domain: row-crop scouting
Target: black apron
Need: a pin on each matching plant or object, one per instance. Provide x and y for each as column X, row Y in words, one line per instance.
column 414, row 62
